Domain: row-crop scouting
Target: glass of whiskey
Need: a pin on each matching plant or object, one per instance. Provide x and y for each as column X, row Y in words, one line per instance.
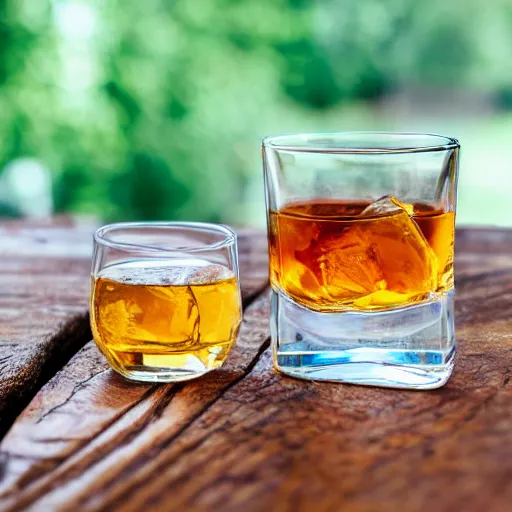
column 361, row 235
column 165, row 298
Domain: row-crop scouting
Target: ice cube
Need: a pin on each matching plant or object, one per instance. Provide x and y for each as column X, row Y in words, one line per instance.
column 408, row 263
column 384, row 253
column 171, row 315
column 151, row 314
column 387, row 205
column 178, row 272
column 210, row 274
column 345, row 264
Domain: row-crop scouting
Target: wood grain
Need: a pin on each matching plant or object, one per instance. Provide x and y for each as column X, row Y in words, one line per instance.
column 44, row 286
column 253, row 260
column 87, row 416
column 44, row 292
column 246, row 438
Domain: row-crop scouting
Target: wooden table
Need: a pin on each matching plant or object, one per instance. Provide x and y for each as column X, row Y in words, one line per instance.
column 242, row 438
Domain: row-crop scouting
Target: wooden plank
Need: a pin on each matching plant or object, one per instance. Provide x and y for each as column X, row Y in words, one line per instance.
column 253, row 259
column 87, row 412
column 44, row 283
column 245, row 437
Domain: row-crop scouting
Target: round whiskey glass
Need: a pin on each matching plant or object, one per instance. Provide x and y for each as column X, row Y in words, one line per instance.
column 165, row 298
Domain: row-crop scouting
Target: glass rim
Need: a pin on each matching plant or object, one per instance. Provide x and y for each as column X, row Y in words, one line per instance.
column 101, row 236
column 309, row 142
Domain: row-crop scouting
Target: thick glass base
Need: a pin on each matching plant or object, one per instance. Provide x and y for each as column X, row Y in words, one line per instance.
column 166, row 367
column 161, row 375
column 410, row 347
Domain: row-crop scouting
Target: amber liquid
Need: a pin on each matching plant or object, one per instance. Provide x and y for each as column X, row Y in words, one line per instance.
column 153, row 314
column 333, row 256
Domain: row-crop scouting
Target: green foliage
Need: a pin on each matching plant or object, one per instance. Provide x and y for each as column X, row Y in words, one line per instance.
column 157, row 113
column 148, row 190
column 307, row 75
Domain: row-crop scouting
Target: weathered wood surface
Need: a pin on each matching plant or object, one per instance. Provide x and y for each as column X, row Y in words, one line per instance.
column 43, row 306
column 245, row 438
column 44, row 292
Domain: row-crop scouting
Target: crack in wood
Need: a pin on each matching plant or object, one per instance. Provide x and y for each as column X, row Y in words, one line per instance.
column 31, row 481
column 245, row 438
column 54, row 354
column 129, row 469
column 70, row 396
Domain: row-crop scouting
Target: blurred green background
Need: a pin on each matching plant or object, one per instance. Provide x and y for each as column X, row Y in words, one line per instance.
column 129, row 109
